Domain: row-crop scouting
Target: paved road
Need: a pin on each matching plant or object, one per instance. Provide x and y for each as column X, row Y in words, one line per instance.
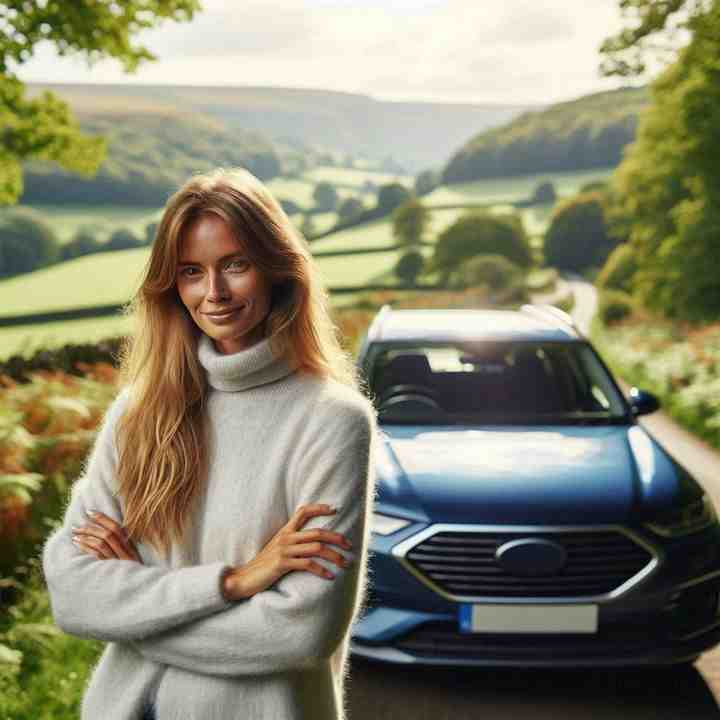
column 384, row 692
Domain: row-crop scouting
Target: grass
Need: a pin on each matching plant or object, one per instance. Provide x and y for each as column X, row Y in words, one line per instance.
column 98, row 279
column 65, row 220
column 498, row 190
column 355, row 178
column 25, row 340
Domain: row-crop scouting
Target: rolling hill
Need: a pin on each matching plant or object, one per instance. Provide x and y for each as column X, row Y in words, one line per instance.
column 416, row 134
column 585, row 133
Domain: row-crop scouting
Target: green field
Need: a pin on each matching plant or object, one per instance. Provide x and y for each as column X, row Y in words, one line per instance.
column 27, row 339
column 108, row 278
column 300, row 191
column 102, row 221
column 506, row 190
column 352, row 178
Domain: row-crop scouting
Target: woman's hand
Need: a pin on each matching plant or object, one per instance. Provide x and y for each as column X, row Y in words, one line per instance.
column 289, row 549
column 104, row 538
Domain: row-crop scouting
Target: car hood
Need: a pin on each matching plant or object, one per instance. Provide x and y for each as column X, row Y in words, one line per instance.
column 525, row 474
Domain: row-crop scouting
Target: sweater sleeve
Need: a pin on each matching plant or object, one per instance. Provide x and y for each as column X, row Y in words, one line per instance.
column 114, row 599
column 299, row 621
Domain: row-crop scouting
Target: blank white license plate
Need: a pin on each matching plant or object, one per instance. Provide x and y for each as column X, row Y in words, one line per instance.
column 487, row 618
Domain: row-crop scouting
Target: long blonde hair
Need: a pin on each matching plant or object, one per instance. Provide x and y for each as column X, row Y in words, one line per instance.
column 162, row 471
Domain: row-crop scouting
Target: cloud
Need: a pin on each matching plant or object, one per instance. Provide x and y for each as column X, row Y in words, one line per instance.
column 455, row 50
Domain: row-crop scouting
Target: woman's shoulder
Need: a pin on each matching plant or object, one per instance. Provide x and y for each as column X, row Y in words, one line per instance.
column 330, row 397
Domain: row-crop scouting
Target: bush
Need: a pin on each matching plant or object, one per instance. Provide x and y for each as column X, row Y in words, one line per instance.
column 495, row 271
column 481, row 233
column 350, row 207
column 391, row 196
column 27, row 242
column 619, row 269
column 325, row 197
column 84, row 242
column 614, row 306
column 544, row 194
column 426, row 181
column 122, row 239
column 409, row 266
column 578, row 237
column 410, row 222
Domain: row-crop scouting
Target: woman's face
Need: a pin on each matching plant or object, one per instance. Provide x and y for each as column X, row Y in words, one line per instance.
column 214, row 275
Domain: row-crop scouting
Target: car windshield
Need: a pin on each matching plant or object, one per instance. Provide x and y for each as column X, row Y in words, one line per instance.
column 488, row 382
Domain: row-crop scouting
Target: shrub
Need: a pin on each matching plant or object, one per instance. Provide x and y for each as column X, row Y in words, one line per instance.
column 409, row 266
column 481, row 233
column 619, row 269
column 495, row 271
column 614, row 306
column 122, row 239
column 325, row 197
column 578, row 236
column 84, row 242
column 27, row 242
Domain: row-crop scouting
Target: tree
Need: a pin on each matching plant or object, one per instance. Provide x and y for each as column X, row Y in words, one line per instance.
column 578, row 237
column 624, row 54
column 544, row 194
column 123, row 239
column 26, row 242
column 391, row 196
column 619, row 269
column 44, row 127
column 409, row 266
column 481, row 233
column 84, row 242
column 427, row 181
column 410, row 221
column 494, row 271
column 350, row 207
column 667, row 189
column 325, row 197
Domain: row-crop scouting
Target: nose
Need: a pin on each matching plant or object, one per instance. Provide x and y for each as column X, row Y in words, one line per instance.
column 217, row 291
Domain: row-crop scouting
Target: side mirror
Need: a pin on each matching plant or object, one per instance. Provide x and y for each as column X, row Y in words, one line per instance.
column 642, row 402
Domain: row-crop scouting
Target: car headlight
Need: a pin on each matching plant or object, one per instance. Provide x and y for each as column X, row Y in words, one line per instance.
column 387, row 524
column 689, row 519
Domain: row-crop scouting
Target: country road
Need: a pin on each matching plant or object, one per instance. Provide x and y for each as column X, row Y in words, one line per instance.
column 383, row 692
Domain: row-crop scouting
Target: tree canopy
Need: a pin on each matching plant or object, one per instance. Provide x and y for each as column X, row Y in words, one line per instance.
column 578, row 236
column 44, row 127
column 481, row 233
column 410, row 221
column 667, row 189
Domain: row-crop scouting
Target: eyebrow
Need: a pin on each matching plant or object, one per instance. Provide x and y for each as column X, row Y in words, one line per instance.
column 183, row 263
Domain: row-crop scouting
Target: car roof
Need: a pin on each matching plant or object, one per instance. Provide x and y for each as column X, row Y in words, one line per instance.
column 531, row 322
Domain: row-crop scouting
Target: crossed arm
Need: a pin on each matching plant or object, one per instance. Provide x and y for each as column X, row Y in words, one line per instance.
column 117, row 599
column 296, row 623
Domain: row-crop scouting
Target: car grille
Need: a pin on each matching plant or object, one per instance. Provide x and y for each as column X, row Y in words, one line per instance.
column 463, row 564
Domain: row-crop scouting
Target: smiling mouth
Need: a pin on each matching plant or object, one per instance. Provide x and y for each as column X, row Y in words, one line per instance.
column 224, row 314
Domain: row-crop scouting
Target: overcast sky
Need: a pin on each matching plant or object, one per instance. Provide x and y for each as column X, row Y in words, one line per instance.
column 505, row 51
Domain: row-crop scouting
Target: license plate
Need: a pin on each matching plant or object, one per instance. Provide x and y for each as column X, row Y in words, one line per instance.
column 488, row 618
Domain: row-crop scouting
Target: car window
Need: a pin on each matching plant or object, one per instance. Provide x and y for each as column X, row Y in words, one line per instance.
column 492, row 381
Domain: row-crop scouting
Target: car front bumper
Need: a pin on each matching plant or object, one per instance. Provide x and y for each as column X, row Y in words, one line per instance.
column 671, row 619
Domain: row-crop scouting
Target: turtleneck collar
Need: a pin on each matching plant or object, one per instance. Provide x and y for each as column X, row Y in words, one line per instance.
column 242, row 370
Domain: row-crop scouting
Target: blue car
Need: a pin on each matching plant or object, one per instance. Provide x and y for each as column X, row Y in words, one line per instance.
column 524, row 517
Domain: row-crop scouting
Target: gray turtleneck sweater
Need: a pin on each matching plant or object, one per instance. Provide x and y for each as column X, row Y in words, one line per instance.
column 279, row 439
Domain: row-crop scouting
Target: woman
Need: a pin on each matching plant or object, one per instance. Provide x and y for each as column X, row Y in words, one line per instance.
column 231, row 474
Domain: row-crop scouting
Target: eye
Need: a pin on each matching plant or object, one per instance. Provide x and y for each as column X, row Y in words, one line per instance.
column 184, row 271
column 242, row 262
